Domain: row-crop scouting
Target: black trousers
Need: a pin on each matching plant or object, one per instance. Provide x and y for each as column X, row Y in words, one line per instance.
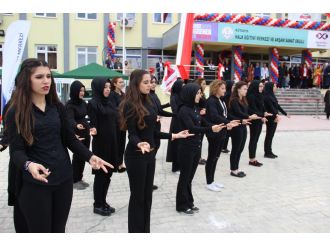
column 101, row 186
column 141, row 172
column 46, row 208
column 78, row 163
column 270, row 132
column 214, row 151
column 255, row 131
column 225, row 143
column 238, row 139
column 19, row 220
column 189, row 158
column 328, row 115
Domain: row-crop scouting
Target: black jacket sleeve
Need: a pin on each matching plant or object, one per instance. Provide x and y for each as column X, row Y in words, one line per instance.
column 281, row 110
column 174, row 105
column 166, row 105
column 17, row 144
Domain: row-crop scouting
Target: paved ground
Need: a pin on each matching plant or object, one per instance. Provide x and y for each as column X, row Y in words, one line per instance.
column 289, row 194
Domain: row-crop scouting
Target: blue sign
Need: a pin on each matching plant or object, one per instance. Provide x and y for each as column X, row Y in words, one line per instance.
column 261, row 35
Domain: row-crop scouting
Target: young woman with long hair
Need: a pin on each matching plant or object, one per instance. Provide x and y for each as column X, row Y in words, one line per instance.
column 139, row 117
column 216, row 113
column 238, row 109
column 39, row 135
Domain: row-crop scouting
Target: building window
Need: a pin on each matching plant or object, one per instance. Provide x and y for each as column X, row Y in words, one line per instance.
column 129, row 16
column 86, row 16
column 86, row 55
column 48, row 53
column 162, row 18
column 263, row 14
column 47, row 15
column 0, row 55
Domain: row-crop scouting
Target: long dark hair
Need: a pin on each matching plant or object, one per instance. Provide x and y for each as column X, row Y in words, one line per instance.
column 133, row 100
column 235, row 96
column 21, row 100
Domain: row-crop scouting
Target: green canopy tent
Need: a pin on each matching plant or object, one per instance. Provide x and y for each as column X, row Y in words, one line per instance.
column 90, row 71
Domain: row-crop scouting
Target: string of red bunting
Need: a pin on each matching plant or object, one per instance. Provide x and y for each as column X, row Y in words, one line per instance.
column 263, row 21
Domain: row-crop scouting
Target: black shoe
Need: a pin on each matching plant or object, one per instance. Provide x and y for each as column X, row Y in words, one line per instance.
column 108, row 207
column 225, row 151
column 202, row 161
column 188, row 211
column 255, row 163
column 270, row 156
column 154, row 187
column 239, row 174
column 275, row 155
column 195, row 209
column 102, row 211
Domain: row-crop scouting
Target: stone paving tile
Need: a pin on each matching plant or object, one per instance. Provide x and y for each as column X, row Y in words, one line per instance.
column 288, row 194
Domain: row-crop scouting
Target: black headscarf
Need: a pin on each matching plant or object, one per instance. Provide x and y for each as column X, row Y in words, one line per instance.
column 177, row 87
column 269, row 93
column 75, row 91
column 253, row 91
column 98, row 84
column 188, row 94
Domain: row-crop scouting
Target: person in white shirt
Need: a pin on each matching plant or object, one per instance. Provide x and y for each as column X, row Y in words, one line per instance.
column 264, row 72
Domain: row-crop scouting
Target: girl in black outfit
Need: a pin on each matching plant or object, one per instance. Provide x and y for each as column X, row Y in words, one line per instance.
column 216, row 113
column 190, row 148
column 271, row 106
column 116, row 96
column 139, row 117
column 256, row 106
column 229, row 88
column 238, row 109
column 202, row 104
column 103, row 122
column 172, row 147
column 39, row 134
column 76, row 109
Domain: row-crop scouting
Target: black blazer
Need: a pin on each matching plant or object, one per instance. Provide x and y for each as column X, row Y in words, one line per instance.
column 215, row 115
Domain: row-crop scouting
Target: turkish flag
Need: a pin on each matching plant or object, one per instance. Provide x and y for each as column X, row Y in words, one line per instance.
column 328, row 15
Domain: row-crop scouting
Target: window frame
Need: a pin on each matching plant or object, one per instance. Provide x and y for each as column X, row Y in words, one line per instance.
column 118, row 20
column 86, row 17
column 47, row 51
column 86, row 54
column 45, row 15
column 162, row 21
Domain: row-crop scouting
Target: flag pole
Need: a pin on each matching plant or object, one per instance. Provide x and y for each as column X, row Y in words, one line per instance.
column 124, row 49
